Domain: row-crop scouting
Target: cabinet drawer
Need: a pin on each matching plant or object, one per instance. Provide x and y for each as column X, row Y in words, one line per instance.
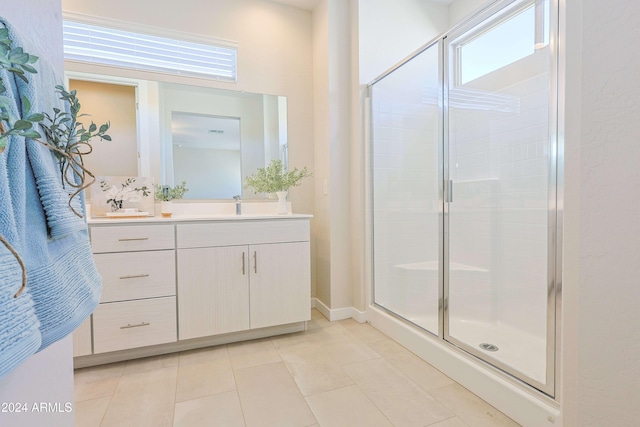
column 125, row 238
column 136, row 275
column 242, row 233
column 131, row 324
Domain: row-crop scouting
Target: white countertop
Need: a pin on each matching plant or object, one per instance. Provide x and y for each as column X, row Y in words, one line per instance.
column 205, row 211
column 195, row 217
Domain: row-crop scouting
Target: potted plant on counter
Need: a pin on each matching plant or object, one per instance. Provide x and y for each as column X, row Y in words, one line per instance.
column 276, row 179
column 166, row 194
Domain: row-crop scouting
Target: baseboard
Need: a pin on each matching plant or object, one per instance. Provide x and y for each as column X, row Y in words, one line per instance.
column 191, row 344
column 339, row 313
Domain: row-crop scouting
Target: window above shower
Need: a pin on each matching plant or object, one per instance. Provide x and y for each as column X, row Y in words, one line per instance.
column 502, row 43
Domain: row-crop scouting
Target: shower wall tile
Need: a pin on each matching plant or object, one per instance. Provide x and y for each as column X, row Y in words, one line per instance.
column 499, row 163
column 405, row 185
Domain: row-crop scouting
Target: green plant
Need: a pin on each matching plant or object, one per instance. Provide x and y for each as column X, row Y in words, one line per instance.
column 126, row 192
column 275, row 178
column 17, row 62
column 67, row 146
column 67, row 138
column 166, row 193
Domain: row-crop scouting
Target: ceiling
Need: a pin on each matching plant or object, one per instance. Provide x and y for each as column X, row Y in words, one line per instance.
column 311, row 4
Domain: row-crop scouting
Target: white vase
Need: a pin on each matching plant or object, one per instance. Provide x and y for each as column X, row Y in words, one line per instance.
column 282, row 203
column 166, row 209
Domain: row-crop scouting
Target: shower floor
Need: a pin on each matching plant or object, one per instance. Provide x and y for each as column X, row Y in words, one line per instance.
column 413, row 299
column 518, row 349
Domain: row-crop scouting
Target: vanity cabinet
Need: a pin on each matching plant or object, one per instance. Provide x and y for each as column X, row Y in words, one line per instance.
column 235, row 276
column 138, row 304
column 173, row 285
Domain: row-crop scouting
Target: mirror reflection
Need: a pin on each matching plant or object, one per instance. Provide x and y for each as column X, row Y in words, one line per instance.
column 206, row 150
column 210, row 138
column 215, row 138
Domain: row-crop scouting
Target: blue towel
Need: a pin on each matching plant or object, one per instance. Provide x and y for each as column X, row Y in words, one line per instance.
column 63, row 282
column 19, row 326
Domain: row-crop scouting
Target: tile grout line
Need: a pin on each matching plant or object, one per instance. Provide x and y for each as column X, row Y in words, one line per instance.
column 304, row 398
column 233, row 373
column 112, row 395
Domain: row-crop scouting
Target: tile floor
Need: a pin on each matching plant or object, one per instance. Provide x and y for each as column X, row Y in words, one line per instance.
column 334, row 374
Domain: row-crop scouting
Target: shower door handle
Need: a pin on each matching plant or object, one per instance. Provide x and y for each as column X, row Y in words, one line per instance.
column 449, row 191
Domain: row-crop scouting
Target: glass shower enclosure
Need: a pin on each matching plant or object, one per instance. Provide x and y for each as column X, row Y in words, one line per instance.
column 464, row 183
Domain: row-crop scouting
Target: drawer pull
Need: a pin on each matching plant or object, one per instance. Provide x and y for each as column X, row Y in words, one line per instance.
column 133, row 239
column 135, row 276
column 129, row 326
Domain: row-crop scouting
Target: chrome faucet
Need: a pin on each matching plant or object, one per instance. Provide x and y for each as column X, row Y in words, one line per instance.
column 238, row 205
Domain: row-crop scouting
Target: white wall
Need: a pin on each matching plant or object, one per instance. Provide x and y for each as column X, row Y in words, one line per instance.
column 332, row 56
column 460, row 9
column 391, row 31
column 601, row 349
column 47, row 376
column 321, row 223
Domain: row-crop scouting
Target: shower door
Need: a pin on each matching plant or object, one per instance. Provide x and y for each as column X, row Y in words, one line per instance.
column 407, row 189
column 464, row 167
column 500, row 170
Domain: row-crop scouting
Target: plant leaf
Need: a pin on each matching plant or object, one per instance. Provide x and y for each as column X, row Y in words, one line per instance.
column 18, row 57
column 31, row 134
column 26, row 104
column 22, row 125
column 37, row 117
column 29, row 68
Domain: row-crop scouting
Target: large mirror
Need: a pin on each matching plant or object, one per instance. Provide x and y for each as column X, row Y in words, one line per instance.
column 210, row 138
column 214, row 138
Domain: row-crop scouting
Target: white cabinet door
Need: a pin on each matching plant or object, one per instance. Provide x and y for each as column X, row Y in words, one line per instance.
column 280, row 284
column 213, row 291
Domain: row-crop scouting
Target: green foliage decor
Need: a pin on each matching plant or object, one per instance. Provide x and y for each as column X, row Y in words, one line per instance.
column 65, row 136
column 166, row 193
column 17, row 62
column 275, row 178
column 68, row 139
